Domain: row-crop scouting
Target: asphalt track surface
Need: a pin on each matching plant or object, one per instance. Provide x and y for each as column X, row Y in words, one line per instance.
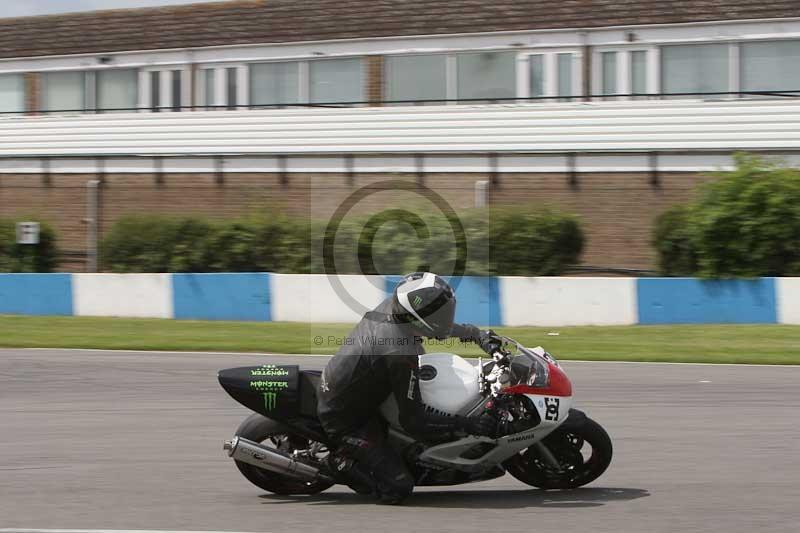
column 132, row 440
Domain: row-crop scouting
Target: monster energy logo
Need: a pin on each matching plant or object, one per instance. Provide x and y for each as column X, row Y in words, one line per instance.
column 269, row 370
column 270, row 400
column 417, row 301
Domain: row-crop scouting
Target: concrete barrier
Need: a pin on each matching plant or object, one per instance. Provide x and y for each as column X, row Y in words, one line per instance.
column 240, row 296
column 35, row 294
column 788, row 300
column 316, row 298
column 693, row 301
column 128, row 295
column 553, row 301
column 484, row 301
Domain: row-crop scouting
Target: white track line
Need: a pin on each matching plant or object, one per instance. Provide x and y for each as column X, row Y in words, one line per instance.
column 20, row 530
column 260, row 354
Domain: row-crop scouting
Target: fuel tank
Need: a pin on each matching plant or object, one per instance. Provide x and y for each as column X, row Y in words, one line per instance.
column 448, row 382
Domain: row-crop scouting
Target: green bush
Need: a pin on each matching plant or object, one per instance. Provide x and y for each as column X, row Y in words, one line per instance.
column 500, row 241
column 677, row 255
column 42, row 257
column 143, row 243
column 744, row 224
column 508, row 241
column 540, row 243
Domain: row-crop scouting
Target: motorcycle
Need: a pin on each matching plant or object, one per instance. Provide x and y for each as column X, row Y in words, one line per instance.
column 282, row 448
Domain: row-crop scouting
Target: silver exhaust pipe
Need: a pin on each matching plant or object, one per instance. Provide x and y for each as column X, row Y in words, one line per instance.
column 255, row 454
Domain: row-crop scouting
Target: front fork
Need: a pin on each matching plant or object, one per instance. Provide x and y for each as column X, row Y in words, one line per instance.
column 546, row 454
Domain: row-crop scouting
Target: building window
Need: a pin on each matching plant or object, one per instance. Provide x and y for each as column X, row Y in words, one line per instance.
column 336, row 80
column 770, row 66
column 231, row 85
column 487, row 75
column 416, row 77
column 638, row 72
column 102, row 90
column 537, row 85
column 117, row 90
column 694, row 69
column 176, row 90
column 209, row 88
column 155, row 91
column 608, row 74
column 565, row 66
column 274, row 84
column 12, row 93
column 64, row 91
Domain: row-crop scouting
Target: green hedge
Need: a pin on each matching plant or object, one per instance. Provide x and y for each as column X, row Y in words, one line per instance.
column 744, row 224
column 672, row 238
column 42, row 257
column 508, row 241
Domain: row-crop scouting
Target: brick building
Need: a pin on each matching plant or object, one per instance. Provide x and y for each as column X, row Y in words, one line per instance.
column 610, row 109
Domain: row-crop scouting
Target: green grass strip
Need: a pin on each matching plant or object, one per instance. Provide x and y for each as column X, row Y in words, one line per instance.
column 769, row 344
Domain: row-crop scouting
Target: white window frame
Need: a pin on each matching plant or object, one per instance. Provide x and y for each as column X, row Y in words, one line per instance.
column 522, row 70
column 624, row 69
column 165, row 87
column 201, row 73
column 303, row 75
column 304, row 71
column 303, row 89
column 450, row 72
column 90, row 78
column 550, row 72
column 735, row 54
column 24, row 84
column 733, row 69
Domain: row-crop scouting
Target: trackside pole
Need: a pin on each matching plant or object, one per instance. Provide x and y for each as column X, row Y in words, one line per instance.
column 92, row 191
column 480, row 193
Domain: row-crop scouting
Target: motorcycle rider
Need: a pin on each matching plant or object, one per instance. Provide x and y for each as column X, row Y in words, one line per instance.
column 380, row 358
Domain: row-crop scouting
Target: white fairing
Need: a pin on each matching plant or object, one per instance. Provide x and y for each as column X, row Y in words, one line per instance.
column 455, row 385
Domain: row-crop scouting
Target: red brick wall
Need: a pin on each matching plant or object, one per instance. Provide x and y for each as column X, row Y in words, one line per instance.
column 33, row 91
column 617, row 210
column 375, row 79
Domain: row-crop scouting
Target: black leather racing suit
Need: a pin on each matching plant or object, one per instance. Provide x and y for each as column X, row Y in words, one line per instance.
column 379, row 357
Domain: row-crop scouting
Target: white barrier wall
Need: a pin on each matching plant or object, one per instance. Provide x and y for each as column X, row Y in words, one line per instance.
column 788, row 300
column 312, row 298
column 551, row 301
column 128, row 295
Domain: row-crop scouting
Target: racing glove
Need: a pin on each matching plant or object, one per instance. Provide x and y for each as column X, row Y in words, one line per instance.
column 466, row 332
column 487, row 339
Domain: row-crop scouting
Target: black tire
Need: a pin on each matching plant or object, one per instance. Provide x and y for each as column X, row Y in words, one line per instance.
column 260, row 429
column 566, row 445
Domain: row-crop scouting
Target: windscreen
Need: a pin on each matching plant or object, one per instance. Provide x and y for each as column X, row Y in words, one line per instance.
column 529, row 369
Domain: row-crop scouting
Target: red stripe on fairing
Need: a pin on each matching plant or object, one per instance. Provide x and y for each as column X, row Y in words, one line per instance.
column 560, row 385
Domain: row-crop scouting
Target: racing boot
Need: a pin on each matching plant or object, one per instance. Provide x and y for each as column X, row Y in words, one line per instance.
column 346, row 471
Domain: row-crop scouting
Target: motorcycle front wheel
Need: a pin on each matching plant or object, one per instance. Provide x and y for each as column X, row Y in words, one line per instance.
column 270, row 433
column 583, row 453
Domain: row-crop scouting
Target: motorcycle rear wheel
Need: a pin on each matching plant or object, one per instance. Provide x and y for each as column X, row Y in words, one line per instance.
column 274, row 434
column 567, row 446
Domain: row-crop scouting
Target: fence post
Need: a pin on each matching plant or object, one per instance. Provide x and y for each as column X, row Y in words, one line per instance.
column 92, row 190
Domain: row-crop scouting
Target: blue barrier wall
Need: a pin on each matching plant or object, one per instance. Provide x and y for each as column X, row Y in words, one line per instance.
column 36, row 294
column 478, row 299
column 692, row 301
column 222, row 296
column 484, row 301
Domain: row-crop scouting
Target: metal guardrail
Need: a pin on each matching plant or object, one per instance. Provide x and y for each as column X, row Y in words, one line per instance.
column 786, row 93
